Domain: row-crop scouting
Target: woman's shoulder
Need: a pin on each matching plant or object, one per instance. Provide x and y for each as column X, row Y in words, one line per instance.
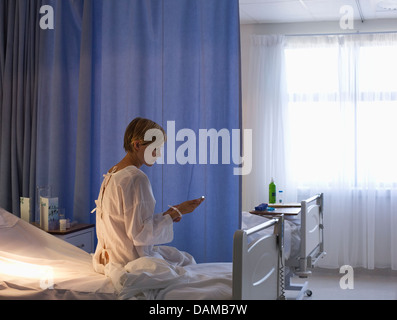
column 131, row 174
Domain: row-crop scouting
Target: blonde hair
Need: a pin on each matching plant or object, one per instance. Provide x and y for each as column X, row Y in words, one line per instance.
column 136, row 132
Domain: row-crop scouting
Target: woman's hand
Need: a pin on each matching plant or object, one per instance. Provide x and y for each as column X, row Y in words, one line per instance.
column 184, row 208
column 189, row 206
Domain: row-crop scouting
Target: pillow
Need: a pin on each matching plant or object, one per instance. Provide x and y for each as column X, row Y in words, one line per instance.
column 7, row 220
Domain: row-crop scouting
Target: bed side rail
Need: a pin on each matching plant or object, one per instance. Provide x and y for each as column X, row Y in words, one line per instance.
column 256, row 274
column 312, row 241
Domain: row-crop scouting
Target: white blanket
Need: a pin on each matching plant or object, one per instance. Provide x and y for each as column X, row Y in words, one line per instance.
column 153, row 278
column 37, row 265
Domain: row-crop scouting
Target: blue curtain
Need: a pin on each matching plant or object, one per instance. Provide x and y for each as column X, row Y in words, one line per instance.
column 176, row 62
column 58, row 91
column 202, row 91
column 20, row 53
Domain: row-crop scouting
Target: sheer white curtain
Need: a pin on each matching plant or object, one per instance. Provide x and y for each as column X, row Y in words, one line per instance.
column 347, row 118
column 263, row 112
column 339, row 138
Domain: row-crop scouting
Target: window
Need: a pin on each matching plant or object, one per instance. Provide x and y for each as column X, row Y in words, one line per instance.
column 377, row 113
column 343, row 100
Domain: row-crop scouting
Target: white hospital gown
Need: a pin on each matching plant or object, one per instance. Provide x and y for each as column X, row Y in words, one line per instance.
column 126, row 225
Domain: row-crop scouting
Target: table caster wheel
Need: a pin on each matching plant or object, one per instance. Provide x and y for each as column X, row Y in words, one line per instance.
column 308, row 293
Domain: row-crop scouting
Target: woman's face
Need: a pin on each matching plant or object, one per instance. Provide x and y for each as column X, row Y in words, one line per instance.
column 148, row 153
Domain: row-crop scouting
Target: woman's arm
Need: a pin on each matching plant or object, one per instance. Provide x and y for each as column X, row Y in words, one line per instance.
column 183, row 208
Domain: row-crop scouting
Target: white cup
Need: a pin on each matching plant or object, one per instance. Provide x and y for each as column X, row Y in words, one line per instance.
column 62, row 224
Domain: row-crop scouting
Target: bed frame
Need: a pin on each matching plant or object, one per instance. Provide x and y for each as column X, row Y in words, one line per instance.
column 258, row 267
column 311, row 247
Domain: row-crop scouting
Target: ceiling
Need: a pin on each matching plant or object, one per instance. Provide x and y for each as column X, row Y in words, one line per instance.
column 284, row 11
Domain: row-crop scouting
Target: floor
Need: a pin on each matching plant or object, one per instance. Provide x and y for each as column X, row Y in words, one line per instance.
column 359, row 284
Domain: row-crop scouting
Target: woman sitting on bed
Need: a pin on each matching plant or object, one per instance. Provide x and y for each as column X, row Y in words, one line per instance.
column 126, row 225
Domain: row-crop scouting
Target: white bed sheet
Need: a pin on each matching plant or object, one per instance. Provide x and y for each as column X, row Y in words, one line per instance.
column 154, row 279
column 37, row 265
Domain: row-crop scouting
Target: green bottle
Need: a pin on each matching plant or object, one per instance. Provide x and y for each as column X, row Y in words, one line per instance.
column 272, row 192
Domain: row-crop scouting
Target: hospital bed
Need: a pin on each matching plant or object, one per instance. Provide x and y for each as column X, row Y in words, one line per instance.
column 37, row 265
column 302, row 243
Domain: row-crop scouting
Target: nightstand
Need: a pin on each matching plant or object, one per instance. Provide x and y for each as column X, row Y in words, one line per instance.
column 80, row 235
